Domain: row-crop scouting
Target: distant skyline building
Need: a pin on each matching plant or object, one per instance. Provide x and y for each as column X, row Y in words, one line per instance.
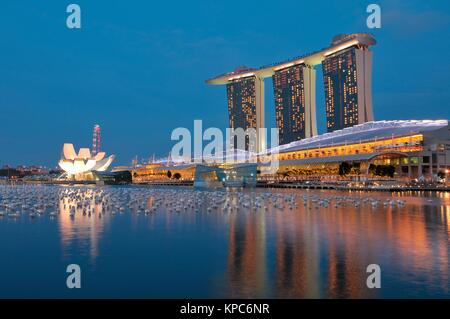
column 96, row 139
column 295, row 102
column 347, row 77
column 347, row 66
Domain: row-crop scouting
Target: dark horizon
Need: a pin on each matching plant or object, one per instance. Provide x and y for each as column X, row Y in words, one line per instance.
column 139, row 71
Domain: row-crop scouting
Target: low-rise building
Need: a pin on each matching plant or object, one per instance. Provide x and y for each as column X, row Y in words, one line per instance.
column 411, row 149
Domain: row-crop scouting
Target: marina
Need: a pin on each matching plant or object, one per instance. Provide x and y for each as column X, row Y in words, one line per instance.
column 249, row 243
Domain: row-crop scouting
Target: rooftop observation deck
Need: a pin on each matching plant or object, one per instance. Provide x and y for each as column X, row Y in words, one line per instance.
column 340, row 42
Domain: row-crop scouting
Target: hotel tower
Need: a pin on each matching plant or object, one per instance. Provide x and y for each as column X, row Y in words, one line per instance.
column 347, row 76
column 295, row 102
column 347, row 73
column 246, row 105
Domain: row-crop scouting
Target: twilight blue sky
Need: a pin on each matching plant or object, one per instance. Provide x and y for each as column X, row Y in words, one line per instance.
column 138, row 67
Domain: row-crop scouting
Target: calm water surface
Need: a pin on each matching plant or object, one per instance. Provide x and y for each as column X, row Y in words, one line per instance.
column 309, row 251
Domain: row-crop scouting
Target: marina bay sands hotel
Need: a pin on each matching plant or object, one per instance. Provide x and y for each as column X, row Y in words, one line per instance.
column 347, row 77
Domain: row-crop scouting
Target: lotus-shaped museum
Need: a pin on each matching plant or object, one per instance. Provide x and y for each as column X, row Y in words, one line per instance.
column 75, row 164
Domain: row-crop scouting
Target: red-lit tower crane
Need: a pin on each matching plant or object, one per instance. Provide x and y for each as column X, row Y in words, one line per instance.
column 96, row 140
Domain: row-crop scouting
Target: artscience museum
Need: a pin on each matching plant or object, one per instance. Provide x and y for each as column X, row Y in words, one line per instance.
column 82, row 166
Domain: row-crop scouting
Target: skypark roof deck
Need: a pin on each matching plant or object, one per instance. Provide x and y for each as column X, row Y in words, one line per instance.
column 339, row 43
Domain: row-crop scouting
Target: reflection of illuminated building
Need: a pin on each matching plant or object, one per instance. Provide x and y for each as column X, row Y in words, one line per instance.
column 346, row 267
column 85, row 230
column 247, row 257
column 82, row 165
column 297, row 268
column 325, row 254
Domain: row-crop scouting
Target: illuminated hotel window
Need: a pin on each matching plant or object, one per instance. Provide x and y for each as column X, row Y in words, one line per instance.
column 242, row 104
column 290, row 103
column 340, row 82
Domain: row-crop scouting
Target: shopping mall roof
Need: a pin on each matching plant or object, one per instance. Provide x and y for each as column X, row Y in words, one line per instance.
column 364, row 132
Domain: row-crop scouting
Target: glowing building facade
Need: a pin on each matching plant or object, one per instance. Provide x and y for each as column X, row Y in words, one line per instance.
column 81, row 165
column 295, row 102
column 403, row 150
column 347, row 81
column 246, row 107
column 415, row 149
column 347, row 66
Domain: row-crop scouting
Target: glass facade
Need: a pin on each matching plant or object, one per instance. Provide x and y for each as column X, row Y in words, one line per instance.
column 405, row 144
column 347, row 78
column 243, row 108
column 242, row 103
column 289, row 94
column 341, row 89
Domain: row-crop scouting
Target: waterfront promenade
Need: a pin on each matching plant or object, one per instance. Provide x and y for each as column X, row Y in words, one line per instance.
column 279, row 185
